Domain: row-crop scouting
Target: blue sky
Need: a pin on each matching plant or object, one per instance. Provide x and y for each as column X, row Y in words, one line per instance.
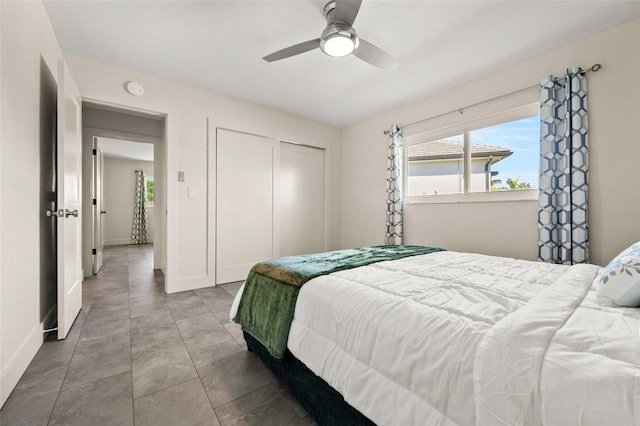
column 522, row 137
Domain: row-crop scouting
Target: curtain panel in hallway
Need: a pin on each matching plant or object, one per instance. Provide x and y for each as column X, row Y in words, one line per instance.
column 394, row 188
column 139, row 232
column 564, row 169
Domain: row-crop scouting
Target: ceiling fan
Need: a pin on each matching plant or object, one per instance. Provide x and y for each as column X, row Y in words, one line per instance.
column 339, row 38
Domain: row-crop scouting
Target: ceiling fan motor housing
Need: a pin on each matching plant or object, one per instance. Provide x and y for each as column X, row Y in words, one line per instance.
column 339, row 39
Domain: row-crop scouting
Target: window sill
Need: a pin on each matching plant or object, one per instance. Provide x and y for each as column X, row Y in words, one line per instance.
column 475, row 197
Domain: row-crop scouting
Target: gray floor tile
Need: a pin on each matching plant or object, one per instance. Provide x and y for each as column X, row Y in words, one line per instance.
column 105, row 327
column 160, row 365
column 205, row 355
column 202, row 331
column 112, row 301
column 119, row 272
column 88, row 294
column 236, row 332
column 102, row 344
column 76, row 329
column 220, row 306
column 151, row 289
column 141, row 277
column 269, row 405
column 105, row 402
column 98, row 365
column 186, row 305
column 112, row 288
column 126, row 342
column 143, row 336
column 183, row 404
column 232, row 288
column 147, row 304
column 161, row 315
column 52, row 354
column 101, row 314
column 234, row 376
column 211, row 293
column 33, row 399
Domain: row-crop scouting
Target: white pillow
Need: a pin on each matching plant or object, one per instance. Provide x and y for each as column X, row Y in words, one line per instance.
column 619, row 281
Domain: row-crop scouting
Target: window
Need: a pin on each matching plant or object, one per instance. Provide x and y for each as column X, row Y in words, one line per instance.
column 505, row 157
column 149, row 186
column 436, row 166
column 499, row 154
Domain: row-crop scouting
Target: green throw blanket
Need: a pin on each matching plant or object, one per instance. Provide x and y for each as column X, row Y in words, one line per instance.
column 271, row 290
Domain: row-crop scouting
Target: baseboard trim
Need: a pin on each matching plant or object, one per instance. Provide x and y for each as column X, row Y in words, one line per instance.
column 19, row 362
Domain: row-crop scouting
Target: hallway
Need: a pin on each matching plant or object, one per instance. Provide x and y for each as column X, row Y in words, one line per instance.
column 138, row 356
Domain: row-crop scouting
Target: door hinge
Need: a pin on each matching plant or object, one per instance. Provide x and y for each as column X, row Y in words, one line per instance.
column 94, row 251
column 94, row 202
column 95, row 151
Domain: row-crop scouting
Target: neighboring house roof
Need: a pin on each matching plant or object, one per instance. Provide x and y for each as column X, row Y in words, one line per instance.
column 443, row 150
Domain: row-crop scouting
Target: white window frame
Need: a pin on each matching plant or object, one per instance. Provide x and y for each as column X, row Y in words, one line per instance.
column 464, row 127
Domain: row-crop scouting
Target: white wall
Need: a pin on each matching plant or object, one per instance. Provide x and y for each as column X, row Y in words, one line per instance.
column 119, row 192
column 509, row 228
column 192, row 115
column 26, row 36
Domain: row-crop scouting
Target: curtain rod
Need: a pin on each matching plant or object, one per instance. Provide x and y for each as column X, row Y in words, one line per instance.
column 594, row 68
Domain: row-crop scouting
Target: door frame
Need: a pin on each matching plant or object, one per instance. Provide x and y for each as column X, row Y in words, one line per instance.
column 97, row 193
column 160, row 245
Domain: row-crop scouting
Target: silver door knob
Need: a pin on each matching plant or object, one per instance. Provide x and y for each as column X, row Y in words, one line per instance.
column 73, row 213
column 55, row 213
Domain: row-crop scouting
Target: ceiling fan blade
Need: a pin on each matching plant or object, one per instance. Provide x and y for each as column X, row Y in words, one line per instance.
column 346, row 11
column 296, row 49
column 375, row 56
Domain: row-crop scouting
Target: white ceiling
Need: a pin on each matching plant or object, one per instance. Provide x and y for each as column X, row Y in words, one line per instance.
column 116, row 148
column 218, row 45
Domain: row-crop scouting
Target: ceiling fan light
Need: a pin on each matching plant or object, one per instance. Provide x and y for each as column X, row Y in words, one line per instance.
column 339, row 44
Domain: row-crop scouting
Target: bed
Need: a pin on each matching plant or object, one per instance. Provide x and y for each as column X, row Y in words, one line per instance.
column 436, row 337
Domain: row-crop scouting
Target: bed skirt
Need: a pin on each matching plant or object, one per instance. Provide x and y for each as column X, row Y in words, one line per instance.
column 322, row 402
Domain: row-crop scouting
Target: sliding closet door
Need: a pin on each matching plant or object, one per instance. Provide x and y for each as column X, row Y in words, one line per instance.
column 301, row 200
column 244, row 210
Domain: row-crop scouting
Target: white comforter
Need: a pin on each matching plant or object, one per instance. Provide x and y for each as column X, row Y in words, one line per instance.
column 454, row 338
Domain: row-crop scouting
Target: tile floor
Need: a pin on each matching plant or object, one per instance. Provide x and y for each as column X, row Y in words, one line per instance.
column 138, row 356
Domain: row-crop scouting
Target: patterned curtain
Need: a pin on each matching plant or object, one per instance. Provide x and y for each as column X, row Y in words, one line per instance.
column 139, row 228
column 564, row 169
column 394, row 188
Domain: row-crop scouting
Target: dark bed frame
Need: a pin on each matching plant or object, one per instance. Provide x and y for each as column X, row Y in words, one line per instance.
column 322, row 402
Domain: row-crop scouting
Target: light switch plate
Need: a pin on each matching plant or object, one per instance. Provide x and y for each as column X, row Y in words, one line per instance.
column 193, row 192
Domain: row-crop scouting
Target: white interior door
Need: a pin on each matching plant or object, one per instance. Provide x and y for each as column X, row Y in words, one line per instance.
column 301, row 200
column 245, row 167
column 69, row 200
column 98, row 208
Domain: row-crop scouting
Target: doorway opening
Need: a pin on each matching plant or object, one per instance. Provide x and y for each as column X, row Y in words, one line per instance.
column 124, row 189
